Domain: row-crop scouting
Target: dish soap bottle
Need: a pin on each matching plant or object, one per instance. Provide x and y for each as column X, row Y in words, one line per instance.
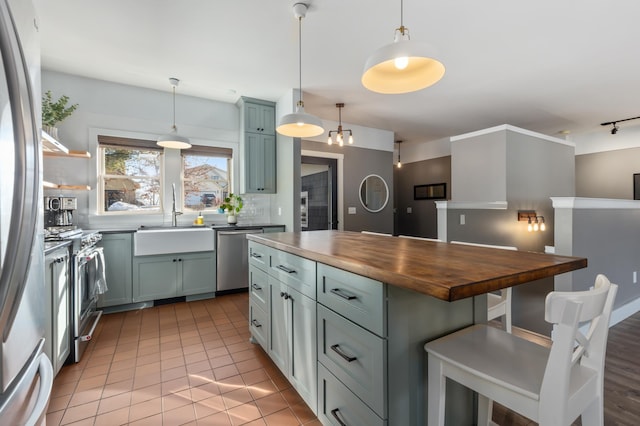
column 200, row 219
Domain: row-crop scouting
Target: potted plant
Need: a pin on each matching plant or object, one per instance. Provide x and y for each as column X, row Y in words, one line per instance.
column 55, row 112
column 231, row 206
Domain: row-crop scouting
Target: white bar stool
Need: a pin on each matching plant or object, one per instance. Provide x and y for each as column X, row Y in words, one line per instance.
column 549, row 386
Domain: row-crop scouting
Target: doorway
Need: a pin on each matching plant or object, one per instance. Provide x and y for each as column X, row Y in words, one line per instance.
column 319, row 198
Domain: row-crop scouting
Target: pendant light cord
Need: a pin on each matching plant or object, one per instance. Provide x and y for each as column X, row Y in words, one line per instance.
column 174, row 107
column 300, row 103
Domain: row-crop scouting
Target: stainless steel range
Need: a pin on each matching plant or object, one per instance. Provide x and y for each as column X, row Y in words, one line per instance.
column 88, row 283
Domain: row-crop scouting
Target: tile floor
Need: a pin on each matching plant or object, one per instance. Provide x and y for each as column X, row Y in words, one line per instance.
column 184, row 363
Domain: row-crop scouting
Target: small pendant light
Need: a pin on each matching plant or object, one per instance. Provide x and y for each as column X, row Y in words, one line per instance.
column 300, row 124
column 173, row 139
column 340, row 132
column 399, row 165
column 403, row 66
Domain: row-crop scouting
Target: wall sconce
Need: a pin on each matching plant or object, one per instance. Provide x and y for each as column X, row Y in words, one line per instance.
column 534, row 222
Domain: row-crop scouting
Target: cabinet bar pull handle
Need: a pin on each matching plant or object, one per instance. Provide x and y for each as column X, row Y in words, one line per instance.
column 256, row 286
column 334, row 413
column 340, row 293
column 256, row 323
column 336, row 349
column 285, row 269
column 256, row 255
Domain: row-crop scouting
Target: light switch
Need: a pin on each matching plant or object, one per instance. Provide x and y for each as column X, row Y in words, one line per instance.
column 352, row 210
column 409, row 210
column 462, row 219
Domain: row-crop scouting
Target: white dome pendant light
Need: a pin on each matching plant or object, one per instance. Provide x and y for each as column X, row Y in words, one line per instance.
column 403, row 66
column 300, row 124
column 173, row 139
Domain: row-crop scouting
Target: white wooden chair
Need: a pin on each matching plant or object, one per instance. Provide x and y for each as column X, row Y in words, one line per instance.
column 376, row 233
column 498, row 305
column 549, row 386
column 420, row 238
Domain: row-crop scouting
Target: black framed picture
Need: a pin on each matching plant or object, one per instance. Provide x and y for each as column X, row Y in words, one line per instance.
column 636, row 186
column 433, row 191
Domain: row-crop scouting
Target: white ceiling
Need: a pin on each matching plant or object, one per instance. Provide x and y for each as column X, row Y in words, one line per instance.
column 544, row 65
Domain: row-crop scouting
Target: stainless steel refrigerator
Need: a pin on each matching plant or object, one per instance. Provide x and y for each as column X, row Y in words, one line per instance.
column 26, row 375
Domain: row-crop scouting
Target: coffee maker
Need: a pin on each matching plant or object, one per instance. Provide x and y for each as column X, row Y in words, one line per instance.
column 58, row 211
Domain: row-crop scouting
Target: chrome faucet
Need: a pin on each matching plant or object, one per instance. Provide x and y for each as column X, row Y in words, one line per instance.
column 174, row 213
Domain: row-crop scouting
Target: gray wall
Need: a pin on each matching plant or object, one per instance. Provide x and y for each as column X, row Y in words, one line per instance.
column 357, row 164
column 525, row 171
column 422, row 221
column 479, row 168
column 500, row 227
column 607, row 174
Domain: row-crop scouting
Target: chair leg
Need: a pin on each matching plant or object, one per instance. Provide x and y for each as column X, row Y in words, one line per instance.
column 485, row 410
column 436, row 392
column 506, row 319
column 593, row 415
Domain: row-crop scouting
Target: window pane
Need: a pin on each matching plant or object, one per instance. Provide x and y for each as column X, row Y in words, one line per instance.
column 131, row 194
column 131, row 179
column 206, row 181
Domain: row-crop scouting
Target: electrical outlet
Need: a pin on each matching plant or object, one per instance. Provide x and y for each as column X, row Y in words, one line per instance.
column 409, row 210
column 352, row 210
column 462, row 219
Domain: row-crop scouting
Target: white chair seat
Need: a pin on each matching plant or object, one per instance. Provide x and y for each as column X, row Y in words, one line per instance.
column 505, row 360
column 551, row 386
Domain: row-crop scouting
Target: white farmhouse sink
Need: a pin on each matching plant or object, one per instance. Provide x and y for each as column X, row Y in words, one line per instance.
column 148, row 241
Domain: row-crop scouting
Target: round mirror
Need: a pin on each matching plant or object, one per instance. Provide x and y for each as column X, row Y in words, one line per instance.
column 374, row 193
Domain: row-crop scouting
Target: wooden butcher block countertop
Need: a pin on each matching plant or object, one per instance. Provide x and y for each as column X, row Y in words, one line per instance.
column 442, row 270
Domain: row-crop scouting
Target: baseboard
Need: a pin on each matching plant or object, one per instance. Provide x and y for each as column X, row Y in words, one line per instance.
column 624, row 312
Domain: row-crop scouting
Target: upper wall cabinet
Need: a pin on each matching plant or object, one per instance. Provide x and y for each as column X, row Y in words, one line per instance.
column 259, row 117
column 257, row 146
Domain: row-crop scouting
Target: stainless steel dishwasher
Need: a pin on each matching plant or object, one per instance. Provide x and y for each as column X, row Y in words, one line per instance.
column 233, row 260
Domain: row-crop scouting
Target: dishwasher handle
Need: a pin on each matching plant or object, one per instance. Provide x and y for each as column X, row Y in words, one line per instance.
column 241, row 232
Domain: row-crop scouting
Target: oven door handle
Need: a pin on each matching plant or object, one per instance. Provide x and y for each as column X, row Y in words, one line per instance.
column 88, row 336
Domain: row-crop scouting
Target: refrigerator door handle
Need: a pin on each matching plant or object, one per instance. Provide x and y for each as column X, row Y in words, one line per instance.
column 45, row 369
column 26, row 185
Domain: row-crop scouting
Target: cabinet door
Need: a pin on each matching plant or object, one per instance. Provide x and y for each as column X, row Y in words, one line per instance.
column 279, row 335
column 260, row 163
column 198, row 272
column 259, row 118
column 61, row 300
column 57, row 306
column 303, row 363
column 118, row 261
column 155, row 277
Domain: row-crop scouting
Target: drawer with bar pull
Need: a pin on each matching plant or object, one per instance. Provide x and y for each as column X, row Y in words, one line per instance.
column 259, row 255
column 355, row 356
column 295, row 271
column 355, row 297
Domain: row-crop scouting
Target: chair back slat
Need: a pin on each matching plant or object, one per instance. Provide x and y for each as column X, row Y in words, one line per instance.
column 567, row 310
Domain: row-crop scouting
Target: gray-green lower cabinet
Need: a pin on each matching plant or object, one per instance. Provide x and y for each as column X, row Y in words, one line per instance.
column 57, row 305
column 118, row 269
column 292, row 344
column 172, row 275
column 359, row 340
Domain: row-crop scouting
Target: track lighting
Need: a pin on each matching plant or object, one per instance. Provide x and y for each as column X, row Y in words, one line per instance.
column 615, row 128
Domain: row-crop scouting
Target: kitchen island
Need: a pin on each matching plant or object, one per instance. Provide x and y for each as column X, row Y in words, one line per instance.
column 345, row 315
